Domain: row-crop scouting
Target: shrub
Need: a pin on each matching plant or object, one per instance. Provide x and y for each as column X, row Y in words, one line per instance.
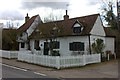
column 55, row 53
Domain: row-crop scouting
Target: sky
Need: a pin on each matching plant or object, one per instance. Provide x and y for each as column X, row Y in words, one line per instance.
column 14, row 11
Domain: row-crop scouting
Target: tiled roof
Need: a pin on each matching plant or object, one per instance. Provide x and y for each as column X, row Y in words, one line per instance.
column 110, row 32
column 26, row 25
column 66, row 26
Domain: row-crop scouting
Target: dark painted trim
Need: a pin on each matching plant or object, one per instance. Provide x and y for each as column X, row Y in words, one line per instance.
column 89, row 43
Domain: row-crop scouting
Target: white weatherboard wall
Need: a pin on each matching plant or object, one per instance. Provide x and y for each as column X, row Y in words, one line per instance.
column 25, row 47
column 31, row 28
column 64, row 44
column 65, row 41
column 33, row 25
column 98, row 28
column 29, row 31
column 109, row 43
column 93, row 38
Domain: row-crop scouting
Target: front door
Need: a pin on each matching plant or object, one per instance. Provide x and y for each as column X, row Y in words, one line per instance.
column 46, row 49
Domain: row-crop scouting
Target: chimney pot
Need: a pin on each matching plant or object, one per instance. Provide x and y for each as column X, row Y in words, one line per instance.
column 27, row 18
column 66, row 17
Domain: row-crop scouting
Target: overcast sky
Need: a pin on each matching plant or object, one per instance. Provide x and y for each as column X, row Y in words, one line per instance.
column 15, row 10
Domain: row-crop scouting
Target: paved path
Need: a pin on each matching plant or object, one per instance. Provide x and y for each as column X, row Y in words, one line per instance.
column 107, row 69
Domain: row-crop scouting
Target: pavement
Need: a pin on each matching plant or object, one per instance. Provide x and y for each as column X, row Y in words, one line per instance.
column 108, row 69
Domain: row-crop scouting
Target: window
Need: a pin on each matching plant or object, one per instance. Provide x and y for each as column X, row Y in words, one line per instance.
column 77, row 29
column 37, row 45
column 22, row 45
column 76, row 46
column 56, row 45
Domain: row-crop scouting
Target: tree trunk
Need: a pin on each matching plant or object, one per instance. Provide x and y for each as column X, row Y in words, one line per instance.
column 51, row 47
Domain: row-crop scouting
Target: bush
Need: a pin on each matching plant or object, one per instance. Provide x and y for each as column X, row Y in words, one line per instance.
column 104, row 59
column 55, row 53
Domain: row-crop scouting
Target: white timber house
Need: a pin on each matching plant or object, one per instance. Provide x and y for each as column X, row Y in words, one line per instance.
column 75, row 35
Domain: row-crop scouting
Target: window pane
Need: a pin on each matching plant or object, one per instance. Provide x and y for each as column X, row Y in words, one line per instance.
column 37, row 45
column 22, row 45
column 56, row 45
column 77, row 29
column 76, row 46
column 71, row 46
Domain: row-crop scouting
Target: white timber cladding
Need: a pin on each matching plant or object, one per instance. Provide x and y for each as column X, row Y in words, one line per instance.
column 98, row 28
column 32, row 42
column 77, row 25
column 25, row 47
column 64, row 44
column 109, row 43
column 65, row 41
column 33, row 25
column 29, row 30
column 93, row 38
column 23, row 37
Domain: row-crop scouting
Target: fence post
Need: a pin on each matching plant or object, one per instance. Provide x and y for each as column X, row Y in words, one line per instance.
column 9, row 56
column 84, row 59
column 108, row 56
column 34, row 59
column 99, row 57
column 58, row 62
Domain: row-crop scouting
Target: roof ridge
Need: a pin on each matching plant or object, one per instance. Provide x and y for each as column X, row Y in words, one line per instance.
column 73, row 18
column 28, row 22
column 85, row 16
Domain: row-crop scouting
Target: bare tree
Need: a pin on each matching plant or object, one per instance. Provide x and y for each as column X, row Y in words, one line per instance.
column 51, row 17
column 108, row 15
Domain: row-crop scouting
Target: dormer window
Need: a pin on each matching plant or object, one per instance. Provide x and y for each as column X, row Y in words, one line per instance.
column 77, row 27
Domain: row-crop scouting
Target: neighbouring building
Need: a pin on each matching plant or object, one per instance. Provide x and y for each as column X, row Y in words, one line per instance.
column 70, row 36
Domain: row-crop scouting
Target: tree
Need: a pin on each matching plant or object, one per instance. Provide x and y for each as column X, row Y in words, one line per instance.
column 98, row 46
column 51, row 34
column 9, row 37
column 108, row 15
column 49, row 31
column 51, row 17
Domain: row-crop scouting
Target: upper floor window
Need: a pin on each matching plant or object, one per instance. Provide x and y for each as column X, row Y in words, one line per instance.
column 77, row 27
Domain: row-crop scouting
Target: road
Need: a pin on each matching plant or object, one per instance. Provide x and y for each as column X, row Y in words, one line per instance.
column 11, row 72
column 108, row 69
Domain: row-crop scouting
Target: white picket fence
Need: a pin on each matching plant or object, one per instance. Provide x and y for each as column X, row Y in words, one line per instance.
column 59, row 62
column 8, row 54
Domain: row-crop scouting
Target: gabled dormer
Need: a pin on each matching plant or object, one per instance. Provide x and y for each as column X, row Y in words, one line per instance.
column 77, row 27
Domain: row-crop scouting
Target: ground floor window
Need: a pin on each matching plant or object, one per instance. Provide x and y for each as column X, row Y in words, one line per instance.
column 56, row 45
column 76, row 46
column 36, row 45
column 22, row 45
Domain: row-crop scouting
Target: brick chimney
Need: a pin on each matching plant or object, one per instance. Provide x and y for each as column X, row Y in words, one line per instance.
column 66, row 17
column 27, row 18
